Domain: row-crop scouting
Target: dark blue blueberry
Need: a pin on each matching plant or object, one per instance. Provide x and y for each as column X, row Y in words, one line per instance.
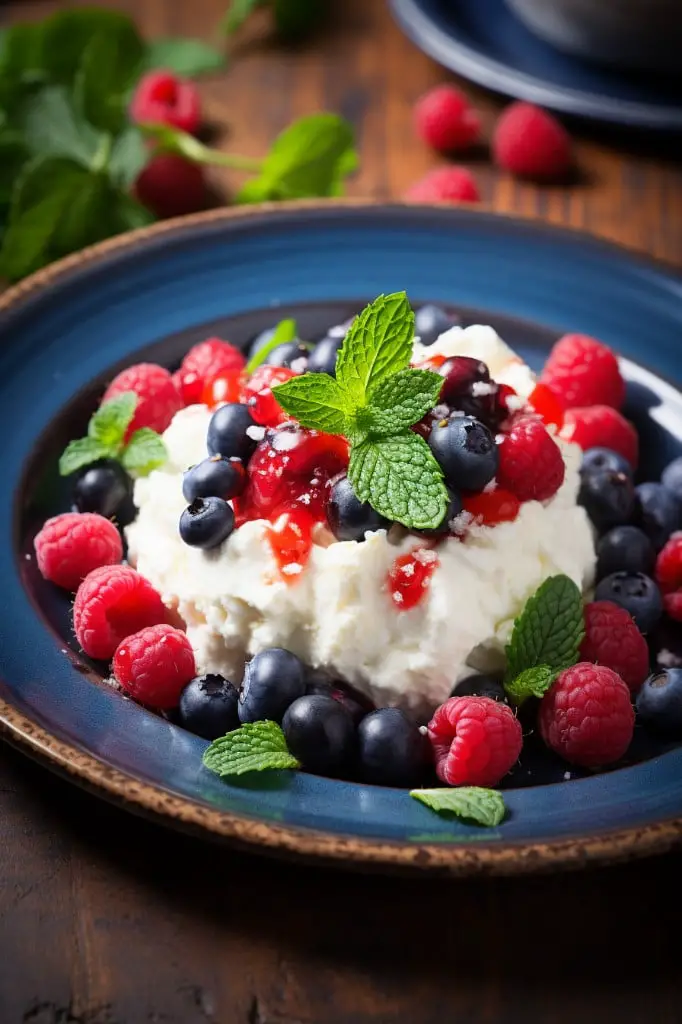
column 480, row 686
column 659, row 512
column 106, row 488
column 206, row 523
column 608, row 497
column 208, row 706
column 391, row 749
column 273, row 680
column 261, row 340
column 672, row 477
column 349, row 518
column 635, row 592
column 287, row 353
column 323, row 357
column 320, row 733
column 659, row 702
column 604, row 458
column 227, row 432
column 625, row 549
column 215, row 477
column 431, row 321
column 453, row 510
column 320, row 682
column 466, row 451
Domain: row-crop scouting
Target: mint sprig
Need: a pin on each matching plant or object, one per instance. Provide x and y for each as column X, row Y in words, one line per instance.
column 532, row 682
column 373, row 401
column 284, row 331
column 107, row 428
column 254, row 747
column 293, row 18
column 470, row 803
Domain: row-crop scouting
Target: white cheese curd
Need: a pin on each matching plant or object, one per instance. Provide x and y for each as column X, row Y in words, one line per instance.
column 337, row 611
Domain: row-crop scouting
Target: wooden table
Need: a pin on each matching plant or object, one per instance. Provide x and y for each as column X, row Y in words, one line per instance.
column 106, row 919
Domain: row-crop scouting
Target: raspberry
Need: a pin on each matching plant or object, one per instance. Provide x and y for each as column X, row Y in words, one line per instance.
column 669, row 576
column 612, row 639
column 155, row 665
column 476, row 741
column 263, row 406
column 171, row 186
column 544, row 402
column 531, row 143
column 445, row 185
column 111, row 604
column 600, row 426
column 163, row 98
column 158, row 399
column 71, row 545
column 445, row 120
column 586, row 716
column 489, row 508
column 202, row 363
column 582, row 371
column 673, row 605
column 531, row 465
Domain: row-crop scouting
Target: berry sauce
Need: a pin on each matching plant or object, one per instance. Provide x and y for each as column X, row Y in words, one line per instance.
column 409, row 577
column 492, row 507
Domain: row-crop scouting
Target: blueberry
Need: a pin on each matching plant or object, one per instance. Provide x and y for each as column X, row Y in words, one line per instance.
column 659, row 512
column 288, row 353
column 208, row 706
column 320, row 732
column 625, row 549
column 608, row 497
column 659, row 701
column 261, row 340
column 672, row 477
column 635, row 592
column 227, row 432
column 430, row 321
column 391, row 749
column 273, row 680
column 323, row 357
column 106, row 488
column 349, row 518
column 480, row 686
column 215, row 477
column 603, row 459
column 206, row 523
column 320, row 682
column 466, row 451
column 443, row 529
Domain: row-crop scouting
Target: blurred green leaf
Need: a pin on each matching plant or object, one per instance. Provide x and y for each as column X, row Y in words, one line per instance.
column 186, row 57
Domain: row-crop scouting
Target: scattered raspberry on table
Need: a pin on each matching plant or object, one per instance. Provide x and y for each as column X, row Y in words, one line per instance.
column 530, row 143
column 155, row 665
column 71, row 545
column 445, row 185
column 475, row 740
column 111, row 604
column 445, row 119
column 612, row 639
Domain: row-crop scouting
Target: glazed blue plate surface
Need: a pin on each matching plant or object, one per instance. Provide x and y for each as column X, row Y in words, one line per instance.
column 485, row 42
column 67, row 331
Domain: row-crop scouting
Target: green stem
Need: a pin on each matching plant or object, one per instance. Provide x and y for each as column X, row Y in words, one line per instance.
column 233, row 160
column 101, row 157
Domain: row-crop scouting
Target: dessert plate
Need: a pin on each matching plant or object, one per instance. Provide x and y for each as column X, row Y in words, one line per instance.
column 484, row 41
column 154, row 293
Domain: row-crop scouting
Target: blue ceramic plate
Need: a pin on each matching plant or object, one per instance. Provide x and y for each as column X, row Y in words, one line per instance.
column 151, row 295
column 485, row 42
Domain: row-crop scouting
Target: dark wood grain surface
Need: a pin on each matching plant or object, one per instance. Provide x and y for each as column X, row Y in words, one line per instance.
column 106, row 919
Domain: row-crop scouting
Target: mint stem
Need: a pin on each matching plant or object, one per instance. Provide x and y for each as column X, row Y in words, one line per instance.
column 101, row 158
column 238, row 163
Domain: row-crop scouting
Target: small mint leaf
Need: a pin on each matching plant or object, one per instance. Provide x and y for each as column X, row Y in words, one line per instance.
column 471, row 803
column 109, row 424
column 144, row 452
column 237, row 13
column 315, row 400
column 399, row 401
column 400, row 479
column 80, row 453
column 254, row 747
column 183, row 56
column 284, row 331
column 378, row 344
column 549, row 630
column 532, row 682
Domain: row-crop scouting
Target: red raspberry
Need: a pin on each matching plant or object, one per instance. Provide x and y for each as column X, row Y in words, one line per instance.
column 673, row 605
column 612, row 639
column 445, row 120
column 171, row 186
column 476, row 741
column 492, row 507
column 263, row 406
column 586, row 716
column 71, row 545
column 582, row 371
column 158, row 399
column 162, row 98
column 669, row 576
column 531, row 143
column 202, row 363
column 544, row 402
column 600, row 426
column 111, row 604
column 155, row 665
column 531, row 465
column 445, row 185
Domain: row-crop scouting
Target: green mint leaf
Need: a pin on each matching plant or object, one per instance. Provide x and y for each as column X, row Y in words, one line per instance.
column 254, row 747
column 107, row 72
column 284, row 331
column 296, row 18
column 400, row 479
column 13, row 156
column 182, row 56
column 81, row 453
column 53, row 127
column 129, row 155
column 109, row 424
column 66, row 35
column 21, row 51
column 144, row 452
column 126, row 214
column 237, row 14
column 549, row 630
column 471, row 803
column 532, row 682
column 347, row 165
column 399, row 401
column 378, row 345
column 315, row 400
